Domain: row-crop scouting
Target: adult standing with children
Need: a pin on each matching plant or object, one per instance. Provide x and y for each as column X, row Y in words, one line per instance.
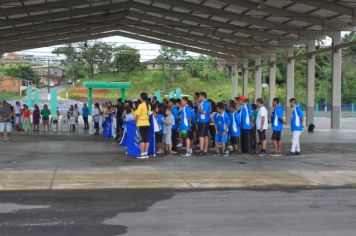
column 143, row 124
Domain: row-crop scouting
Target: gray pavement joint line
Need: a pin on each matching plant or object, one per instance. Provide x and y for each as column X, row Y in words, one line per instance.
column 190, row 185
column 317, row 183
column 53, row 178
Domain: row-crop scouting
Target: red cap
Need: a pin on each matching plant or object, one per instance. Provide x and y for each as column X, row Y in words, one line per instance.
column 243, row 98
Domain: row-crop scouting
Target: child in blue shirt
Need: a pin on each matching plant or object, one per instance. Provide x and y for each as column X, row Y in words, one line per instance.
column 175, row 111
column 203, row 123
column 157, row 112
column 193, row 119
column 185, row 125
column 235, row 121
column 277, row 121
column 296, row 126
column 246, row 126
column 168, row 122
column 222, row 122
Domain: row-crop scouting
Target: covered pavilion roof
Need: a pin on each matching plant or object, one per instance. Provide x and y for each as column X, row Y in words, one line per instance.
column 229, row 29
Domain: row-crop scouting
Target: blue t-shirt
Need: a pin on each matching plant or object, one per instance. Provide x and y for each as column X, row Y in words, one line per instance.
column 193, row 116
column 221, row 121
column 235, row 122
column 296, row 121
column 206, row 107
column 85, row 111
column 249, row 107
column 276, row 119
column 185, row 115
column 175, row 111
column 159, row 120
column 246, row 122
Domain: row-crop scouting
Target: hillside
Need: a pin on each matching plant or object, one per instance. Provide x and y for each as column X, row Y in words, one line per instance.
column 151, row 81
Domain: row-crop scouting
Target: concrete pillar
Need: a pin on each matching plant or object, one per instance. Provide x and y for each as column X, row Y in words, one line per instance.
column 272, row 78
column 336, row 84
column 290, row 80
column 311, row 84
column 234, row 80
column 123, row 95
column 90, row 100
column 258, row 79
column 245, row 77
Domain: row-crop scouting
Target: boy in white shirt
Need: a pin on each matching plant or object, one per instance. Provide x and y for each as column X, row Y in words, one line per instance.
column 262, row 125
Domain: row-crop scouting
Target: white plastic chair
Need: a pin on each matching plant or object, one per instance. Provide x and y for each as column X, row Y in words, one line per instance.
column 64, row 124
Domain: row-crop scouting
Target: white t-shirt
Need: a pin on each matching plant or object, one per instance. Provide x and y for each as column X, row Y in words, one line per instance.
column 262, row 112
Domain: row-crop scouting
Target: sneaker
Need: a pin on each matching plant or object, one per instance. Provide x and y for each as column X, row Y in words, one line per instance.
column 297, row 153
column 291, row 154
column 262, row 154
column 200, row 153
column 225, row 155
column 186, row 154
column 141, row 157
column 217, row 154
column 276, row 154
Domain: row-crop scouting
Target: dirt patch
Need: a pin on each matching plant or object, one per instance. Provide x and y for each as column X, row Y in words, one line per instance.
column 84, row 91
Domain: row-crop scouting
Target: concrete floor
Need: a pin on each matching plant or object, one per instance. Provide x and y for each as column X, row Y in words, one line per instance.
column 81, row 161
column 179, row 213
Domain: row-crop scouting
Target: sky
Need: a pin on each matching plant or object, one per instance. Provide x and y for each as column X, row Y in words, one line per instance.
column 148, row 51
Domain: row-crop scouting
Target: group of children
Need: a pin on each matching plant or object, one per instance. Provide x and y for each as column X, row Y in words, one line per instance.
column 202, row 124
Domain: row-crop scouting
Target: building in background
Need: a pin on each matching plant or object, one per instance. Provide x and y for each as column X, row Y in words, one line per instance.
column 21, row 57
column 54, row 74
column 14, row 85
column 17, row 57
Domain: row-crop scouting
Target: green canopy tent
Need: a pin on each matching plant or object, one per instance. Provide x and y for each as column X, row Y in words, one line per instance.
column 105, row 85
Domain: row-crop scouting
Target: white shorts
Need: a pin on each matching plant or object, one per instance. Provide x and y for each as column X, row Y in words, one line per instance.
column 5, row 127
column 167, row 138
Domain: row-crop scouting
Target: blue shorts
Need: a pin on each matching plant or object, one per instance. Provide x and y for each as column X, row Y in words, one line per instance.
column 220, row 139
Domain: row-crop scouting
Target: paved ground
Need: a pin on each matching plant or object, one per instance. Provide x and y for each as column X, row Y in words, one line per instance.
column 49, row 161
column 179, row 213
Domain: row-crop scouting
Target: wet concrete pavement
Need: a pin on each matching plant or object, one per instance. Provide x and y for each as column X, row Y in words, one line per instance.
column 179, row 213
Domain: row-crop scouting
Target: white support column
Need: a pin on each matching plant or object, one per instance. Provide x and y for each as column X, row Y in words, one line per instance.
column 311, row 83
column 290, row 80
column 272, row 78
column 245, row 77
column 336, row 84
column 258, row 79
column 234, row 80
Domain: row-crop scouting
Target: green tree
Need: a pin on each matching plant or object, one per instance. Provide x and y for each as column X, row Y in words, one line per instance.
column 126, row 59
column 76, row 70
column 169, row 57
column 70, row 53
column 203, row 67
column 96, row 56
column 23, row 71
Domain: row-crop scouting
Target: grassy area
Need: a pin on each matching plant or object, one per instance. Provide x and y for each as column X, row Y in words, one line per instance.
column 151, row 81
column 9, row 96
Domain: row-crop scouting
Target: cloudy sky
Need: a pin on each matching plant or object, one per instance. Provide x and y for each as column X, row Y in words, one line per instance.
column 147, row 50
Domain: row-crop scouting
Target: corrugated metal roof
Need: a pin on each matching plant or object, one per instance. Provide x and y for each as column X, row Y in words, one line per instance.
column 224, row 28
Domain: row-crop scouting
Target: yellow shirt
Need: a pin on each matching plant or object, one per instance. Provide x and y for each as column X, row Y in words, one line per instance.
column 142, row 115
